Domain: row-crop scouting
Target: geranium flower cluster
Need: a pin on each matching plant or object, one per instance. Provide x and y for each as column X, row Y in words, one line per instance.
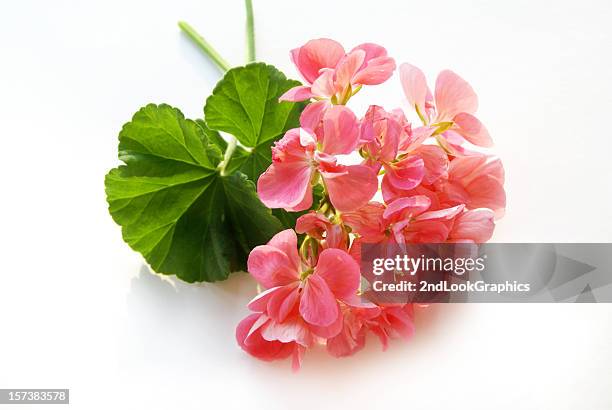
column 414, row 183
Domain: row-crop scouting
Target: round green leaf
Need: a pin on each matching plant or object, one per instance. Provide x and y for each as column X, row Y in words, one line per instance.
column 173, row 205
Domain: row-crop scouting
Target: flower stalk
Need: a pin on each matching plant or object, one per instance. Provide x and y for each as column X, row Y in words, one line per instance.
column 250, row 31
column 224, row 66
column 205, row 46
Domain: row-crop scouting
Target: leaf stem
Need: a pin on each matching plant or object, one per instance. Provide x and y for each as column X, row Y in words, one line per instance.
column 229, row 151
column 204, row 46
column 250, row 31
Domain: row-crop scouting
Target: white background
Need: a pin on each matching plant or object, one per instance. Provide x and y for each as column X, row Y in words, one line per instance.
column 78, row 312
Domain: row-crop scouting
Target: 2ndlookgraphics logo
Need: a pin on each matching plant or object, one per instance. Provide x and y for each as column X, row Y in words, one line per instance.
column 467, row 272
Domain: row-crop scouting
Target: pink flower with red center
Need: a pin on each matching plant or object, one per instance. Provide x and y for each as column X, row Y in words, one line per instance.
column 332, row 73
column 300, row 157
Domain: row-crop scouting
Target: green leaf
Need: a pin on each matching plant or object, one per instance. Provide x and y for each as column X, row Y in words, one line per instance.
column 245, row 104
column 251, row 162
column 174, row 206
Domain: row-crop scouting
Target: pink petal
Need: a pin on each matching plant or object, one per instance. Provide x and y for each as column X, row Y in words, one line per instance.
column 315, row 55
column 306, row 203
column 435, row 161
column 253, row 343
column 367, row 221
column 328, row 331
column 486, row 191
column 415, row 87
column 478, row 182
column 406, row 173
column 372, row 51
column 285, row 185
column 454, row 193
column 286, row 241
column 298, row 93
column 463, row 167
column 355, row 250
column 369, row 128
column 390, row 193
column 411, row 141
column 472, row 129
column 318, row 305
column 290, row 148
column 382, row 336
column 494, row 168
column 403, row 208
column 453, row 95
column 271, row 267
column 376, row 71
column 312, row 223
column 339, row 271
column 441, row 214
column 323, row 86
column 260, row 302
column 291, row 330
column 382, row 131
column 352, row 188
column 296, row 358
column 476, row 225
column 427, row 231
column 312, row 115
column 283, row 302
column 347, row 68
column 349, row 341
column 340, row 131
column 400, row 321
column 336, row 237
column 454, row 143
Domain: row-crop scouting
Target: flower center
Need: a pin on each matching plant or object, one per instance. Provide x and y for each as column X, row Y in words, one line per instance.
column 306, row 274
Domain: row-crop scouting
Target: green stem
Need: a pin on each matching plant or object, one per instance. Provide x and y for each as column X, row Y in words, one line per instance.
column 205, row 46
column 250, row 31
column 229, row 151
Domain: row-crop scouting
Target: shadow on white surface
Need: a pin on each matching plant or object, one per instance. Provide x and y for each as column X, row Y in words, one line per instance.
column 177, row 325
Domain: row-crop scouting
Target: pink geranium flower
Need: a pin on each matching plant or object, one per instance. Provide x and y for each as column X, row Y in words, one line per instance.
column 391, row 144
column 475, row 181
column 318, row 226
column 384, row 321
column 405, row 220
column 437, row 186
column 352, row 337
column 333, row 74
column 303, row 155
column 301, row 301
column 394, row 322
column 450, row 110
column 313, row 290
